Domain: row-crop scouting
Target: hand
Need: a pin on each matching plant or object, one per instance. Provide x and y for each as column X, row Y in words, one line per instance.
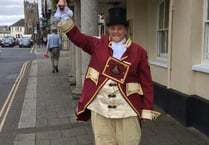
column 61, row 4
column 63, row 15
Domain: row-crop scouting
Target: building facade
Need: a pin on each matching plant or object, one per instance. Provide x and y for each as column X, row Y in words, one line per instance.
column 175, row 34
column 31, row 14
column 4, row 31
column 17, row 29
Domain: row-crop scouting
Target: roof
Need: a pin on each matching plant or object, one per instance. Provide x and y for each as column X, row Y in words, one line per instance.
column 21, row 22
column 4, row 28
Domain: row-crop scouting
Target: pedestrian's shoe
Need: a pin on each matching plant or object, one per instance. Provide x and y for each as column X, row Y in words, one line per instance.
column 53, row 71
column 56, row 68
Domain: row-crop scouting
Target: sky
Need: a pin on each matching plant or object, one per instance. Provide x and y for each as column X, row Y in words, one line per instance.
column 12, row 11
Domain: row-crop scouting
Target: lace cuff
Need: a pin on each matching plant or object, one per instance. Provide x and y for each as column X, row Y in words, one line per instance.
column 66, row 26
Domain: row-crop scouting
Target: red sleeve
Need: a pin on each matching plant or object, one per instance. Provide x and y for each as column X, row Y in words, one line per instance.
column 86, row 42
column 146, row 82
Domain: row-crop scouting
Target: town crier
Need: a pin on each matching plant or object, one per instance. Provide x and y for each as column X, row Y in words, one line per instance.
column 118, row 89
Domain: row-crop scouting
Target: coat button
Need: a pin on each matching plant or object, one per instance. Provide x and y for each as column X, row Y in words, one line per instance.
column 112, row 84
column 111, row 95
column 112, row 106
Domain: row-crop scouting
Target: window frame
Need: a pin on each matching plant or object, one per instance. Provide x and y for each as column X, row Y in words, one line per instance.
column 205, row 44
column 162, row 48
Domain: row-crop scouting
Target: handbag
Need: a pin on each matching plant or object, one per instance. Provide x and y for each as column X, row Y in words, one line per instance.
column 46, row 54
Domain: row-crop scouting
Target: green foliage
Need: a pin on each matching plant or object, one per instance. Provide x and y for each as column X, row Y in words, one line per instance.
column 54, row 3
column 46, row 32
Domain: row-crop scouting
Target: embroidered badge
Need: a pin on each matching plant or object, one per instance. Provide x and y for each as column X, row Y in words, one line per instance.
column 115, row 70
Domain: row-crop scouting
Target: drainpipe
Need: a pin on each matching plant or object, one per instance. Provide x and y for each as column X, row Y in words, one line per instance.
column 170, row 33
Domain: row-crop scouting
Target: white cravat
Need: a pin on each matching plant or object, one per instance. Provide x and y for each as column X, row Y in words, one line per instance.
column 119, row 48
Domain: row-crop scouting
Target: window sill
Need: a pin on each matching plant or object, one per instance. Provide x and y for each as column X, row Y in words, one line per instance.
column 159, row 62
column 201, row 68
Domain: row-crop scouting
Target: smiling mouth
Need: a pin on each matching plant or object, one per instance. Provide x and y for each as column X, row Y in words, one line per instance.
column 116, row 35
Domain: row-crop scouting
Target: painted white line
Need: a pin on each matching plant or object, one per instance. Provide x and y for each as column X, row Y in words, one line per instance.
column 4, row 111
column 32, row 49
column 28, row 114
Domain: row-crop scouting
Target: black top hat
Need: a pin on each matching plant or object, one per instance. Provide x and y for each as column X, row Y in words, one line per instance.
column 117, row 16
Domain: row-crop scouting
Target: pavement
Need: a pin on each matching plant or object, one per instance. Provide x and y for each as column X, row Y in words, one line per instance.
column 48, row 118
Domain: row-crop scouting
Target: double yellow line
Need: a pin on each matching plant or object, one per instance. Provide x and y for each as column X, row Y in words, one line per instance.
column 10, row 98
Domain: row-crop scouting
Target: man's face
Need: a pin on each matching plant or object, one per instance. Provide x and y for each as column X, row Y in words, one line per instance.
column 117, row 32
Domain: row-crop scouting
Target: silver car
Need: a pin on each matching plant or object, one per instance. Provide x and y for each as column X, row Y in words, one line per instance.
column 25, row 42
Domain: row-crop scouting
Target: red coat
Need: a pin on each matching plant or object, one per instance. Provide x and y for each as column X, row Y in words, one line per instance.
column 139, row 72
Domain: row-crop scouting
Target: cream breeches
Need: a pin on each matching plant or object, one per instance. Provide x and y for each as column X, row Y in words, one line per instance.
column 108, row 131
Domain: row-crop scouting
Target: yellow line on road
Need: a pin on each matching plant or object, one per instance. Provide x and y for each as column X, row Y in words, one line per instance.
column 11, row 96
column 11, row 91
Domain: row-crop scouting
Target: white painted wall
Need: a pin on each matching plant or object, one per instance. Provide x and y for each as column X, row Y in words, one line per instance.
column 186, row 43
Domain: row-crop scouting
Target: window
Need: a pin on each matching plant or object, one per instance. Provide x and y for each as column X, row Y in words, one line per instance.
column 204, row 66
column 206, row 33
column 162, row 31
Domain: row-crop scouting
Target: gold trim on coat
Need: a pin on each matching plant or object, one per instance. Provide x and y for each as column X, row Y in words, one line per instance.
column 93, row 75
column 128, row 42
column 150, row 114
column 92, row 97
column 129, row 102
column 67, row 26
column 132, row 88
column 123, row 75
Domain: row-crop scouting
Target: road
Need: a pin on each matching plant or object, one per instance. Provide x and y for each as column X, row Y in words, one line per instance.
column 12, row 62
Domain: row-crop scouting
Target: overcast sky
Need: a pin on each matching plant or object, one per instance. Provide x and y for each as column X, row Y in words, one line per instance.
column 11, row 11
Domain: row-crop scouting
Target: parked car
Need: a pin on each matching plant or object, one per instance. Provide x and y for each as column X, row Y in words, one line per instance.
column 25, row 42
column 8, row 41
column 29, row 36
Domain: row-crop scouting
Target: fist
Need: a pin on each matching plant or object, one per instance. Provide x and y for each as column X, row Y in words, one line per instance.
column 63, row 14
